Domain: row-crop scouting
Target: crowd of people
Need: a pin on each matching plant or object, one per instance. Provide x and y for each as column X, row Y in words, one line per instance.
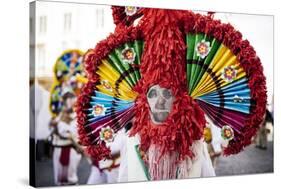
column 57, row 138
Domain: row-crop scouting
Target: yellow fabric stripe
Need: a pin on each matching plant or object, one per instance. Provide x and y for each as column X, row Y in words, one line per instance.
column 123, row 95
column 81, row 79
column 108, row 73
column 223, row 58
column 205, row 78
column 209, row 85
column 240, row 73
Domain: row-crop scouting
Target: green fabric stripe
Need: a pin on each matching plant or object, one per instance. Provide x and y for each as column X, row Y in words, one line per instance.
column 190, row 40
column 214, row 47
column 116, row 61
column 118, row 53
column 133, row 75
column 195, row 72
column 142, row 163
column 136, row 72
column 119, row 67
column 198, row 38
column 138, row 46
column 61, row 66
column 79, row 67
column 197, row 68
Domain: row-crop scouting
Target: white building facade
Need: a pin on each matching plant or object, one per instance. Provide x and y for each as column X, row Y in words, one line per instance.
column 60, row 26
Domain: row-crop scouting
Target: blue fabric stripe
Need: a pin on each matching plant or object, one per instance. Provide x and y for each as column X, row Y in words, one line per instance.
column 239, row 89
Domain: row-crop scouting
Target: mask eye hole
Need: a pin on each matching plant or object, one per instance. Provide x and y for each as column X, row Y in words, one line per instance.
column 152, row 93
column 167, row 93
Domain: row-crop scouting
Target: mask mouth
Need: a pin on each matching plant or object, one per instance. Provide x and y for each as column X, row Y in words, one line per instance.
column 159, row 116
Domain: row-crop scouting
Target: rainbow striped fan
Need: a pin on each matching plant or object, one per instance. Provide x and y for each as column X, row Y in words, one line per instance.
column 68, row 76
column 218, row 83
column 68, row 64
column 111, row 103
column 55, row 100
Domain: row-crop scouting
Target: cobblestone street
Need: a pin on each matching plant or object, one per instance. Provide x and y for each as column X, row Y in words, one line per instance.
column 252, row 160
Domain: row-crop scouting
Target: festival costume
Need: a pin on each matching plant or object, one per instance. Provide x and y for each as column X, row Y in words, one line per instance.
column 214, row 140
column 68, row 78
column 65, row 157
column 133, row 167
column 107, row 170
column 205, row 66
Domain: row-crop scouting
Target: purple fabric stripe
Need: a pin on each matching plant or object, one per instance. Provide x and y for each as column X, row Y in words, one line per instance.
column 122, row 118
column 230, row 117
column 108, row 121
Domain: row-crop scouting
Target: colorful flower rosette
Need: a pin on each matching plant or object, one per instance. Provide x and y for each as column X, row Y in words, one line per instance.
column 125, row 16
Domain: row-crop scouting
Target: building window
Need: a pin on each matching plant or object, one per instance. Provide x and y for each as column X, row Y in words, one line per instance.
column 42, row 24
column 102, row 18
column 99, row 18
column 67, row 22
column 41, row 58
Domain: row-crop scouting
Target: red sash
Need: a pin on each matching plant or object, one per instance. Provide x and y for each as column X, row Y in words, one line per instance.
column 65, row 156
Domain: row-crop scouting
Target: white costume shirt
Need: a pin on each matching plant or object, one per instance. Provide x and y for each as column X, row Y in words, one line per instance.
column 39, row 112
column 70, row 172
column 131, row 168
column 108, row 176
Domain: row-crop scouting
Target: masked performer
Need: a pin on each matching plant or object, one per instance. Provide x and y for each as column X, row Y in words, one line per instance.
column 67, row 152
column 68, row 80
column 164, row 74
column 107, row 170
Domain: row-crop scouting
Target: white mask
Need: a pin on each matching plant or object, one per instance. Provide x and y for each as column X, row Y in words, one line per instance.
column 160, row 101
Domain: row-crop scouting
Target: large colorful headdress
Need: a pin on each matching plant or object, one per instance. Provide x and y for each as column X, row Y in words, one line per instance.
column 208, row 66
column 68, row 77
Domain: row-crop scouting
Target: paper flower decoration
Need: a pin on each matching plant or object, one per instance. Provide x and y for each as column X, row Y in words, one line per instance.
column 106, row 85
column 227, row 132
column 107, row 134
column 128, row 55
column 130, row 10
column 99, row 110
column 229, row 73
column 203, row 48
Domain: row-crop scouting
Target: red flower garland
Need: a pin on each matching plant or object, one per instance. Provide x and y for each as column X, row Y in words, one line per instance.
column 248, row 59
column 91, row 62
